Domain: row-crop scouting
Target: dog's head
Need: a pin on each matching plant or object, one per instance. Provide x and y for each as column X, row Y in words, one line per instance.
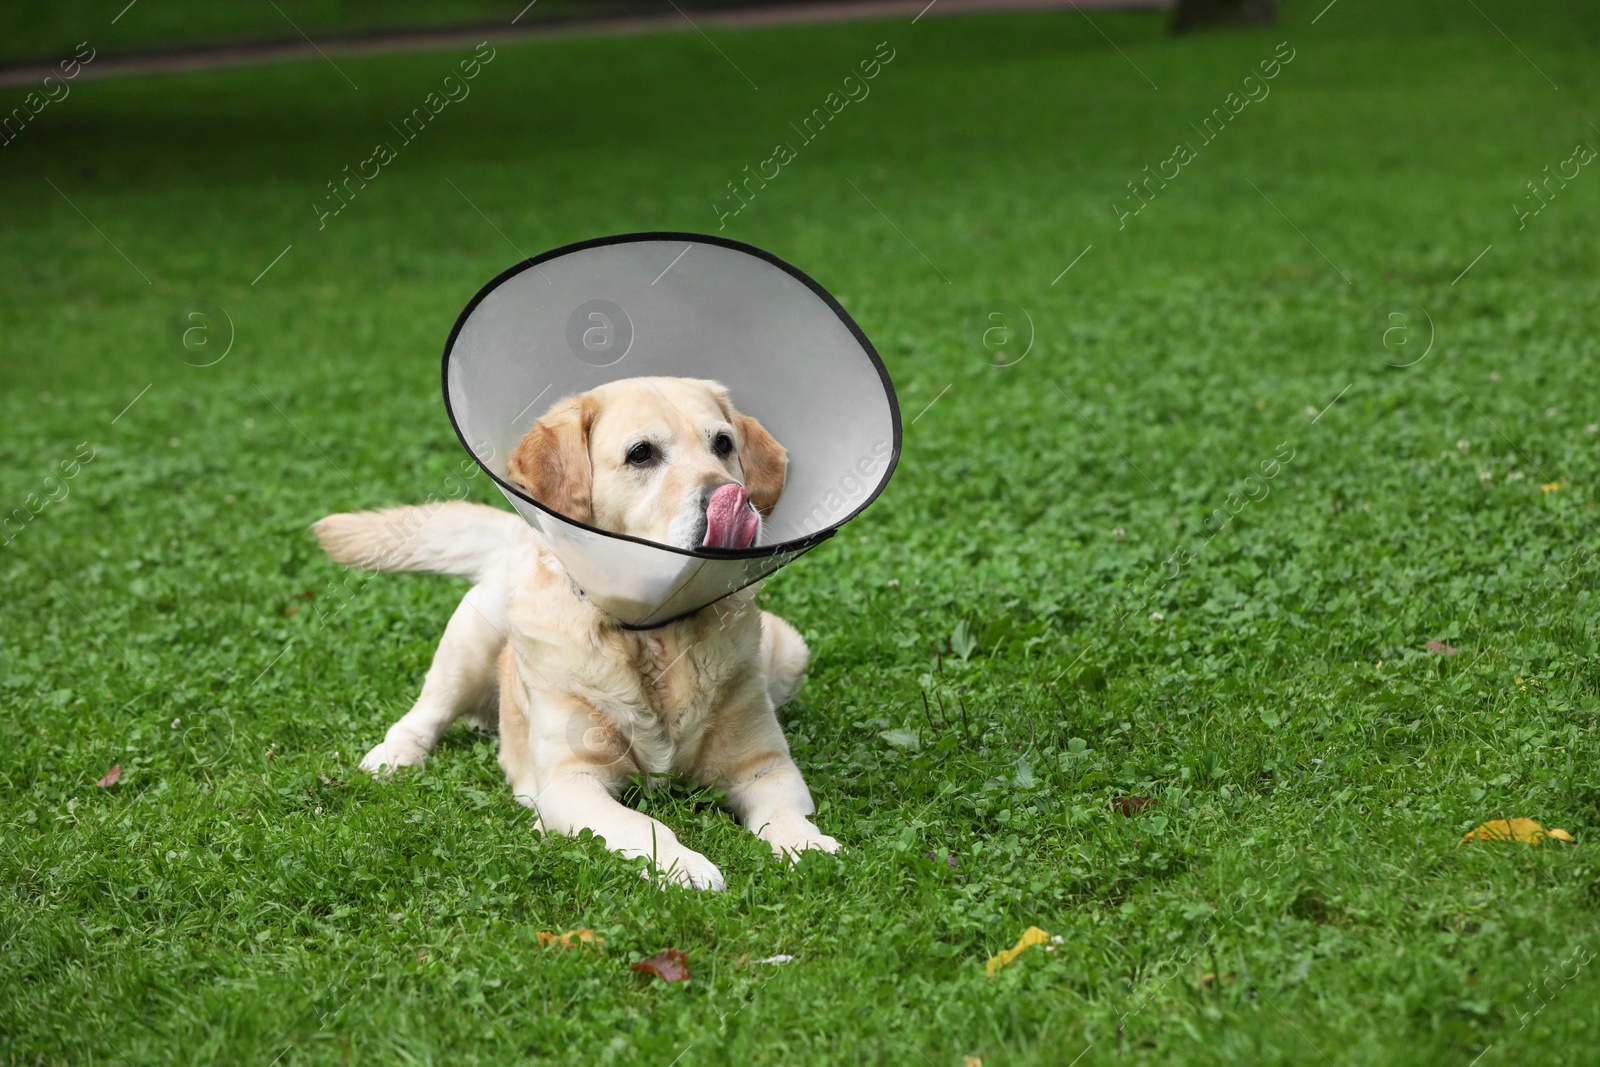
column 665, row 459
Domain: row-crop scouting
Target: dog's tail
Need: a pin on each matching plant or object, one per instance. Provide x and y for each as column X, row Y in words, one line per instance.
column 450, row 537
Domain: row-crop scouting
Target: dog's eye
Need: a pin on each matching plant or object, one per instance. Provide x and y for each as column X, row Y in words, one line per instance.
column 641, row 454
column 722, row 444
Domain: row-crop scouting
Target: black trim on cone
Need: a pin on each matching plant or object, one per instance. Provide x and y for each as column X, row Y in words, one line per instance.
column 754, row 552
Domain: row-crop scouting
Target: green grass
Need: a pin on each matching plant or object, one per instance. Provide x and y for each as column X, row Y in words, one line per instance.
column 243, row 894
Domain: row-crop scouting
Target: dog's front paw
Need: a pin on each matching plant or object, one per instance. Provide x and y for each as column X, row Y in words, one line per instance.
column 688, row 868
column 386, row 758
column 789, row 837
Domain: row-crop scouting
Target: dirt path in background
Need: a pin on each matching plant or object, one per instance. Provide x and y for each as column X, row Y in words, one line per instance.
column 433, row 39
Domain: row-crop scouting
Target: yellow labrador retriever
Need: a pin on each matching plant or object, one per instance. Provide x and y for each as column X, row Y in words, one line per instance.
column 582, row 703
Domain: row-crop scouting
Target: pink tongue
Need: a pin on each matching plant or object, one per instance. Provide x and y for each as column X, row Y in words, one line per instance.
column 730, row 520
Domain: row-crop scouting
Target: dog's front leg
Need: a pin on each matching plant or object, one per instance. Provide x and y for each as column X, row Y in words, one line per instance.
column 574, row 799
column 765, row 790
column 461, row 681
column 566, row 760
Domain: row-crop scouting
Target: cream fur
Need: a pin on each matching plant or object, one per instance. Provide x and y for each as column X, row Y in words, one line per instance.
column 583, row 704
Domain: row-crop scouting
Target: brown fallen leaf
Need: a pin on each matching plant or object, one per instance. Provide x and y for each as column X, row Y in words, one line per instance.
column 111, row 777
column 569, row 939
column 1131, row 806
column 669, row 965
column 1525, row 830
column 1440, row 647
column 1030, row 937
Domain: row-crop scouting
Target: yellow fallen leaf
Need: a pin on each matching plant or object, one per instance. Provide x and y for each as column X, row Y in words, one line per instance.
column 568, row 939
column 1525, row 830
column 1031, row 936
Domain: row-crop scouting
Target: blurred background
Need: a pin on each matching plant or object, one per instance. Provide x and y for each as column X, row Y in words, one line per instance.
column 1237, row 563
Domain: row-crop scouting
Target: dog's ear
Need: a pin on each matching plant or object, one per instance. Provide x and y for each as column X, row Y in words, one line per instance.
column 552, row 462
column 765, row 463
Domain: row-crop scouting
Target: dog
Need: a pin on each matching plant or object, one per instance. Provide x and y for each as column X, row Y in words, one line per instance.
column 581, row 704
